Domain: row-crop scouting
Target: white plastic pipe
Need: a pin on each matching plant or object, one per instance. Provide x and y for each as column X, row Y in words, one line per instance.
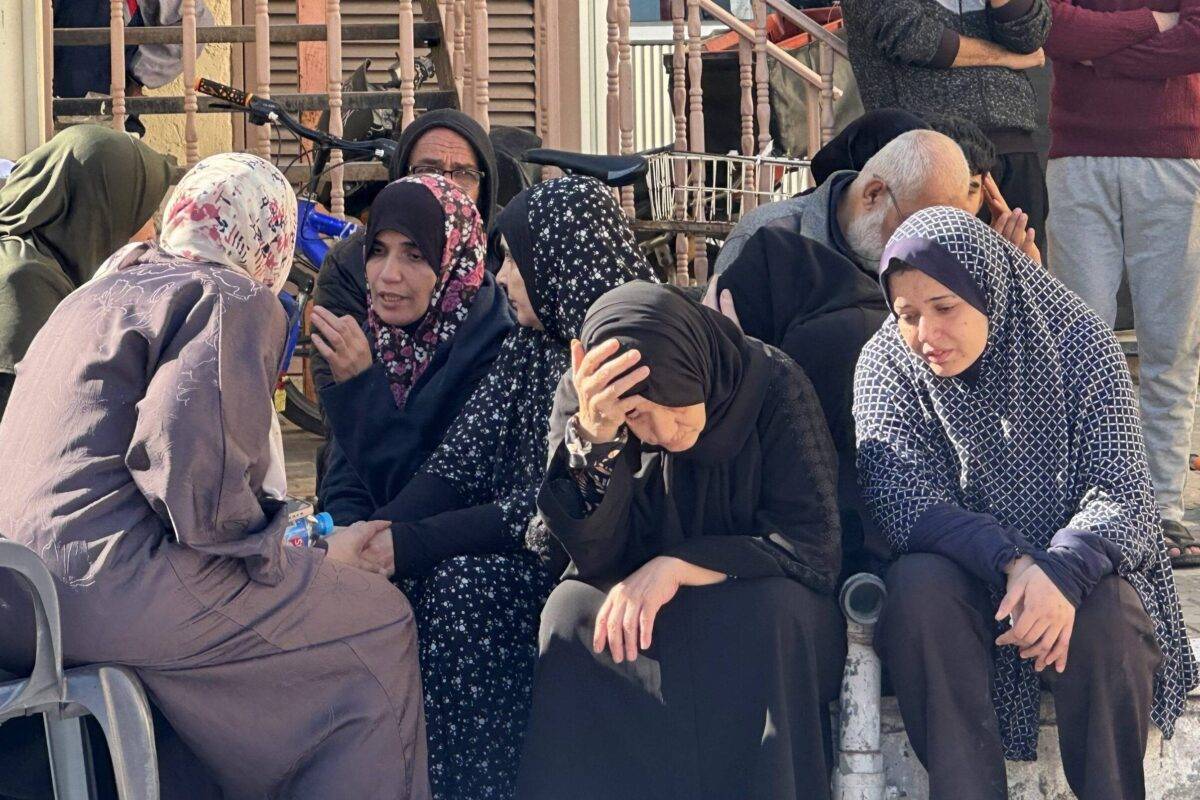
column 859, row 774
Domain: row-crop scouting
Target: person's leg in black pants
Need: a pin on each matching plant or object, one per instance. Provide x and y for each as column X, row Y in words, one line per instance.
column 1022, row 181
column 1102, row 700
column 935, row 638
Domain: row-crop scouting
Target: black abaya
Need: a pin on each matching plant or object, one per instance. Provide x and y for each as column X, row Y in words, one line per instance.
column 729, row 701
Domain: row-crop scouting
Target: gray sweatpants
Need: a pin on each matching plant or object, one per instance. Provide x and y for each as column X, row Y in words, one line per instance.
column 1140, row 217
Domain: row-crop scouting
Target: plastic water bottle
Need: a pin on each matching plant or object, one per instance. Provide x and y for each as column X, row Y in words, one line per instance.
column 306, row 530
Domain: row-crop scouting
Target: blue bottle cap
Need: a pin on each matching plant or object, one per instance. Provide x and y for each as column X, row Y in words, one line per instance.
column 324, row 524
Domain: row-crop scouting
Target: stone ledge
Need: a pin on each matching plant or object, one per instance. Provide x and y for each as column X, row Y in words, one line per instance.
column 1172, row 767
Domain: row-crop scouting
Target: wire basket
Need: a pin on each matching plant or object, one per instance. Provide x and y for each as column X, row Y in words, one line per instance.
column 719, row 190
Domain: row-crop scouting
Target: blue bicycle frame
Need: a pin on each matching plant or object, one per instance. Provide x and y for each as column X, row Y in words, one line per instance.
column 311, row 225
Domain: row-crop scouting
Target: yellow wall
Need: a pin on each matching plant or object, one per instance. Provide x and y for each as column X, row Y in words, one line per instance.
column 165, row 132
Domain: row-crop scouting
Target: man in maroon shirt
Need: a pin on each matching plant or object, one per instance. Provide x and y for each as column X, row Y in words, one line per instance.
column 1124, row 186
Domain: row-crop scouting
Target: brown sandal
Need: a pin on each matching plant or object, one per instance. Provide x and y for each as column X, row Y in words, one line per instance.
column 1180, row 536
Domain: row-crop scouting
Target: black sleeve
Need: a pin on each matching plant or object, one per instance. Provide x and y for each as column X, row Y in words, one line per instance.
column 430, row 525
column 799, row 529
column 343, row 495
column 599, row 541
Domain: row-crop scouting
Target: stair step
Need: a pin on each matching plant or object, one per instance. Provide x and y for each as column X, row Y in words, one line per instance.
column 428, row 34
column 426, row 99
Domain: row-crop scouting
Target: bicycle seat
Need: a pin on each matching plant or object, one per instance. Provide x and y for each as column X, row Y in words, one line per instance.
column 612, row 171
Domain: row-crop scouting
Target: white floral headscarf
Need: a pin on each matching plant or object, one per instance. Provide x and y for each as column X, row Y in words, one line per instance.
column 236, row 210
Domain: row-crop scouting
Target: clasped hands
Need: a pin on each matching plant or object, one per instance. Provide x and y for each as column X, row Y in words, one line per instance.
column 1042, row 617
column 365, row 545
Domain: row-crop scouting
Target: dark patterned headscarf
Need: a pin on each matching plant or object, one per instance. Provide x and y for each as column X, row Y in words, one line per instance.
column 575, row 246
column 451, row 223
column 1047, row 438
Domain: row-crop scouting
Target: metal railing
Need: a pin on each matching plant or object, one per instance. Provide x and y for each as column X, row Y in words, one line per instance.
column 625, row 100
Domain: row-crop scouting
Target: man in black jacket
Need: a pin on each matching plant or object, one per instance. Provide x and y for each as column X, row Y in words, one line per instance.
column 966, row 58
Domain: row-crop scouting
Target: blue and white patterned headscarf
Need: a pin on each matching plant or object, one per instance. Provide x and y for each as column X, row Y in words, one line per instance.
column 1048, row 437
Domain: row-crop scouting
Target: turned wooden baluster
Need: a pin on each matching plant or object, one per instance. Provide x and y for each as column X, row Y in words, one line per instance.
column 746, row 79
column 679, row 106
column 479, row 19
column 762, row 86
column 333, row 57
column 628, row 101
column 408, row 66
column 549, row 83
column 46, row 110
column 825, row 56
column 462, row 60
column 812, row 103
column 262, row 68
column 613, row 99
column 116, row 44
column 468, row 92
column 696, row 130
column 191, row 141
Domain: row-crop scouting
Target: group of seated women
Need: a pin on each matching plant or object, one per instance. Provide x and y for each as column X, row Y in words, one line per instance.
column 589, row 531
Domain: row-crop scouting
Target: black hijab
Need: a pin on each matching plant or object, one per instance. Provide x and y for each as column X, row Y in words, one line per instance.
column 410, row 209
column 695, row 355
column 580, row 246
column 715, row 505
column 862, row 139
column 476, row 136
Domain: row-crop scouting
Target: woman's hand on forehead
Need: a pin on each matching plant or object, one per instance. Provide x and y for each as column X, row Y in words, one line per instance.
column 601, row 377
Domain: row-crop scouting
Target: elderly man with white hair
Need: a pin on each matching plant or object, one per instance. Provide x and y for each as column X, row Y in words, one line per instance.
column 801, row 275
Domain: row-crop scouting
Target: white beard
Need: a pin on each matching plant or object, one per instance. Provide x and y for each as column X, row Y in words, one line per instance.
column 865, row 237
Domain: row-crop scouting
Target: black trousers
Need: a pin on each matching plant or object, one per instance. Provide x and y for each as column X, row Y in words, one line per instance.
column 936, row 638
column 1022, row 181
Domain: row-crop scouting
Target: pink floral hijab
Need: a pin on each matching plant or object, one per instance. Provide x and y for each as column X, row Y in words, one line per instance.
column 235, row 210
column 450, row 224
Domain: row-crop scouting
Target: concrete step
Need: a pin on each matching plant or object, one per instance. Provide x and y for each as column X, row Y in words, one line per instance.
column 1172, row 767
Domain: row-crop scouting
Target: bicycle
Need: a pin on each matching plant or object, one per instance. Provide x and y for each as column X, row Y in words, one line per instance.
column 314, row 229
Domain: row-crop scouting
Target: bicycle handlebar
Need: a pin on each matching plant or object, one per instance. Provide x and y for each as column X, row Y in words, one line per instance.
column 263, row 110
